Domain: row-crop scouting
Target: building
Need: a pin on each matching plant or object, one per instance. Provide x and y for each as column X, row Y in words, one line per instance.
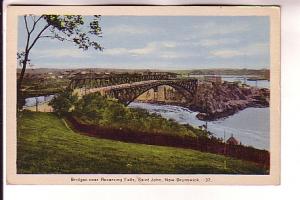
column 214, row 78
column 232, row 140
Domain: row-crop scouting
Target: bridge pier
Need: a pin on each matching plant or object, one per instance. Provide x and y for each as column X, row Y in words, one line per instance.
column 155, row 93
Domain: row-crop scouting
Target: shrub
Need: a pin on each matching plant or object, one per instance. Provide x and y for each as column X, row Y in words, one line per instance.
column 63, row 102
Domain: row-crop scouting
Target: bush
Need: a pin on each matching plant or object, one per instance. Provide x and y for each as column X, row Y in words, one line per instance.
column 98, row 110
column 63, row 102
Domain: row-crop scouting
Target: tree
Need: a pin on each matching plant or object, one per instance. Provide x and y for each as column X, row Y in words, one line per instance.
column 91, row 106
column 71, row 28
column 63, row 102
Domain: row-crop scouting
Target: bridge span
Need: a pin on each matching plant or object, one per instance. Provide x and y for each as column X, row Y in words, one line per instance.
column 94, row 80
column 128, row 92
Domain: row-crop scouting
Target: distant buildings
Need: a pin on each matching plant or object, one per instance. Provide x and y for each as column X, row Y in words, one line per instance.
column 214, row 78
column 267, row 74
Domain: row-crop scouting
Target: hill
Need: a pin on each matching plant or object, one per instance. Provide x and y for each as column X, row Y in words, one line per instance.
column 46, row 145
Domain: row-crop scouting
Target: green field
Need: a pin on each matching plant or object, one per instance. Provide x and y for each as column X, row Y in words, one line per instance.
column 46, row 145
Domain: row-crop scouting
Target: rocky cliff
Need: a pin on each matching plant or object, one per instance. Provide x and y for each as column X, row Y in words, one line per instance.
column 214, row 100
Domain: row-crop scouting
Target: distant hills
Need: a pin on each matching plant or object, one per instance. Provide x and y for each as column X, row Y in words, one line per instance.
column 57, row 70
column 214, row 71
column 249, row 72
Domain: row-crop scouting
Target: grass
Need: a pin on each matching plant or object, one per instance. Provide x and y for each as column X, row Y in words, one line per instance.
column 47, row 146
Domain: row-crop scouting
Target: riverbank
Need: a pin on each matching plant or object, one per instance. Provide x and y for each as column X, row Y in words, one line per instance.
column 216, row 100
column 200, row 143
column 249, row 126
column 47, row 146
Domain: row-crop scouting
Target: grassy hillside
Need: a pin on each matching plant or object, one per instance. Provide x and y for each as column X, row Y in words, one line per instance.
column 47, row 145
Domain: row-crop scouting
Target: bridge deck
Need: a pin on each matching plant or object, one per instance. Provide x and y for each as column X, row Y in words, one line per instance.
column 104, row 90
column 127, row 92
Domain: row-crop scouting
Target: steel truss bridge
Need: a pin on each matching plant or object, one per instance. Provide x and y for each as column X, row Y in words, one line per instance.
column 127, row 87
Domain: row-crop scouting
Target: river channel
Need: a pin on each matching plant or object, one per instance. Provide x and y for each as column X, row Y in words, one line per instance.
column 249, row 126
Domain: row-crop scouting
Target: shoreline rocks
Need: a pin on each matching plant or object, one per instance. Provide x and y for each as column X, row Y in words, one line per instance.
column 218, row 100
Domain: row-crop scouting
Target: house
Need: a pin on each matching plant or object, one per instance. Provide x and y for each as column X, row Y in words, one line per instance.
column 232, row 141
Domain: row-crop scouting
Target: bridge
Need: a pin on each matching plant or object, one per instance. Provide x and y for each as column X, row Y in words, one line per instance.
column 127, row 88
column 103, row 80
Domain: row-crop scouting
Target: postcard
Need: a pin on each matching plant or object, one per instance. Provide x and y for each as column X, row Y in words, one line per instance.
column 143, row 95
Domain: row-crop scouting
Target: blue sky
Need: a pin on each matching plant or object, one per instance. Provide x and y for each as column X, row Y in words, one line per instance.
column 160, row 42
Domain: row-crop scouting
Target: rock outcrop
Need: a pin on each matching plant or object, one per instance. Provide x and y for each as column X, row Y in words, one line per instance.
column 214, row 101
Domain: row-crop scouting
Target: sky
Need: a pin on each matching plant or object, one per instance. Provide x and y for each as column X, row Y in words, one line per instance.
column 163, row 42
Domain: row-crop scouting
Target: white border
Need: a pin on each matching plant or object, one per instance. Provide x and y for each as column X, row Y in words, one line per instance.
column 272, row 12
column 290, row 138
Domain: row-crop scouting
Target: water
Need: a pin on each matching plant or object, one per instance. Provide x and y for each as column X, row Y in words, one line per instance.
column 249, row 126
column 40, row 100
column 258, row 83
column 242, row 79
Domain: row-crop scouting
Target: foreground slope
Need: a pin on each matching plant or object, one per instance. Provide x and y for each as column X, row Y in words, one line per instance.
column 47, row 145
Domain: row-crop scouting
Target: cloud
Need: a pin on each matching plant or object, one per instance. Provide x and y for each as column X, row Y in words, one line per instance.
column 160, row 49
column 250, row 50
column 226, row 53
column 60, row 53
column 172, row 55
column 115, row 51
column 125, row 29
column 213, row 29
column 169, row 44
column 149, row 48
column 216, row 42
column 257, row 49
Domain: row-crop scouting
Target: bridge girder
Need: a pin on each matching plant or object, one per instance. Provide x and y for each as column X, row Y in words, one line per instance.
column 116, row 79
column 126, row 95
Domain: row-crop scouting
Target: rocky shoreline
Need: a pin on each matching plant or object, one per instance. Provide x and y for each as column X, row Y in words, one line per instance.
column 218, row 100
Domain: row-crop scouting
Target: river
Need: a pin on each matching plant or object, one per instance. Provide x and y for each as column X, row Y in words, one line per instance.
column 258, row 83
column 32, row 101
column 242, row 79
column 249, row 126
